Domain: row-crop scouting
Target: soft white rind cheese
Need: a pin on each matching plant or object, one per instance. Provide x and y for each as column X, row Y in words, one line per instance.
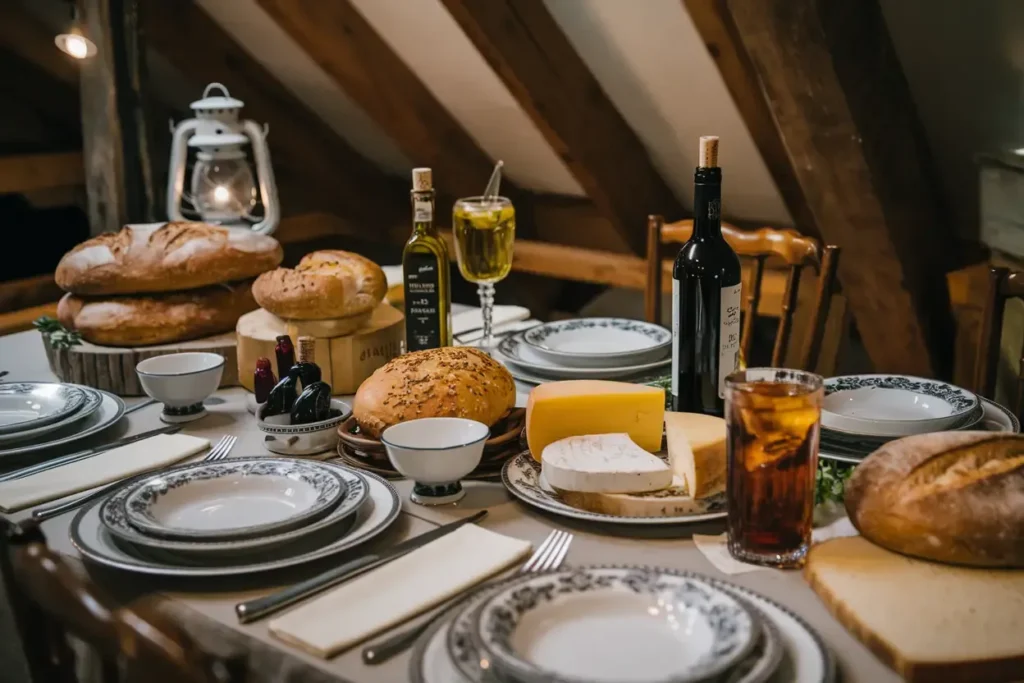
column 603, row 463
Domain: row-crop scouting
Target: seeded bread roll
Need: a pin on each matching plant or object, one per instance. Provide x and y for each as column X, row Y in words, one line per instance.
column 446, row 382
column 954, row 497
column 325, row 284
column 164, row 257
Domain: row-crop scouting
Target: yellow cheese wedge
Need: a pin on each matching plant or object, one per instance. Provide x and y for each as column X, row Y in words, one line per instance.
column 558, row 410
column 696, row 451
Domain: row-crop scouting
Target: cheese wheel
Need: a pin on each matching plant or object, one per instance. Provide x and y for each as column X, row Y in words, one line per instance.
column 605, row 463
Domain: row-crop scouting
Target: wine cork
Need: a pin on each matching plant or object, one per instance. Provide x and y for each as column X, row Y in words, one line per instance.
column 307, row 349
column 708, row 157
column 422, row 179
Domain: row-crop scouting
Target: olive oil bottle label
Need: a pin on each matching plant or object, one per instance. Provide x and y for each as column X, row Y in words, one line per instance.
column 422, row 211
column 422, row 302
column 728, row 336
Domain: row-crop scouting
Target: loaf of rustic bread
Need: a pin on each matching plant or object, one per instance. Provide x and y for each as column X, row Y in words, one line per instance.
column 156, row 318
column 446, row 382
column 325, row 284
column 953, row 497
column 163, row 257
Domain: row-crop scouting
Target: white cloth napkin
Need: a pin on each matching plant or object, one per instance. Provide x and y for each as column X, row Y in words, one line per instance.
column 473, row 319
column 117, row 463
column 716, row 550
column 369, row 604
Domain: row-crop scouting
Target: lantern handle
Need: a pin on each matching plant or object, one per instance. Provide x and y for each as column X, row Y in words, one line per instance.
column 265, row 177
column 211, row 86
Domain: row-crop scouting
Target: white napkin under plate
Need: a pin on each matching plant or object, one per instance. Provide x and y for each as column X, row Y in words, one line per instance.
column 117, row 463
column 473, row 319
column 399, row 590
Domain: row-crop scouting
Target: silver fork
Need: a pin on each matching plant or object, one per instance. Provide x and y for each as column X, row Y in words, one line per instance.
column 45, row 512
column 549, row 555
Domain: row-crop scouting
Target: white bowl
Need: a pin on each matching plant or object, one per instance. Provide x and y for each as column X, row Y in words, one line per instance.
column 181, row 381
column 284, row 438
column 436, row 452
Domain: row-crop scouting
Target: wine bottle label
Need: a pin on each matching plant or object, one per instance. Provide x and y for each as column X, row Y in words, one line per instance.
column 422, row 211
column 728, row 336
column 422, row 302
column 675, row 337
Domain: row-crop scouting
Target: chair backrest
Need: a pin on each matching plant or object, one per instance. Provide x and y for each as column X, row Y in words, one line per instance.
column 1003, row 284
column 49, row 601
column 795, row 250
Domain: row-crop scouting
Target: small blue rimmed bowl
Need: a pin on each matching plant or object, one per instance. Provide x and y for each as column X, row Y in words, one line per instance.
column 181, row 381
column 436, row 452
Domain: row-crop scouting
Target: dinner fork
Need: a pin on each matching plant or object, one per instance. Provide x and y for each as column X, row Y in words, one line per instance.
column 41, row 514
column 549, row 555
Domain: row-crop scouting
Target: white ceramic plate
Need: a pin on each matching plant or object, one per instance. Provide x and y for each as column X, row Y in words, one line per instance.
column 373, row 517
column 235, row 498
column 599, row 342
column 894, row 405
column 112, row 517
column 513, row 351
column 109, row 410
column 89, row 406
column 971, row 422
column 652, row 626
column 521, row 476
column 25, row 405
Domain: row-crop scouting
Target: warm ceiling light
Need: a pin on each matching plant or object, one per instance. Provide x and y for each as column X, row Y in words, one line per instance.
column 75, row 44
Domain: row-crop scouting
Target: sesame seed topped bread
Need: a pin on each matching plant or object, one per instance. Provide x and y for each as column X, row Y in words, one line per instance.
column 325, row 284
column 162, row 257
column 452, row 381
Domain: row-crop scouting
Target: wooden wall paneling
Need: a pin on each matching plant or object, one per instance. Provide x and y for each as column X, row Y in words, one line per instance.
column 45, row 110
column 843, row 110
column 529, row 52
column 305, row 151
column 32, row 172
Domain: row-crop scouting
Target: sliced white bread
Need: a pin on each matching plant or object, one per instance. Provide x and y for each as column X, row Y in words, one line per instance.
column 931, row 623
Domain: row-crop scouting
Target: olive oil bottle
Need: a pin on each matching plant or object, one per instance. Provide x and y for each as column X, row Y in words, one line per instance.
column 427, row 273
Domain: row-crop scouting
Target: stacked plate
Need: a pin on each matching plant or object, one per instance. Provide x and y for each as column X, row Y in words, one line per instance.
column 38, row 415
column 587, row 348
column 234, row 516
column 860, row 413
column 619, row 624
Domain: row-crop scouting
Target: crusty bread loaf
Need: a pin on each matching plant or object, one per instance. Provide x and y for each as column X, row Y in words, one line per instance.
column 446, row 382
column 931, row 623
column 164, row 257
column 156, row 318
column 325, row 284
column 950, row 496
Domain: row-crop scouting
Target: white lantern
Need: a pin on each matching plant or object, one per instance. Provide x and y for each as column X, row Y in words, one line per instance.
column 222, row 189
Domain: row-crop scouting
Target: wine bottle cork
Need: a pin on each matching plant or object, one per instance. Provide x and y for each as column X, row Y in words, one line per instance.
column 708, row 157
column 307, row 349
column 422, row 179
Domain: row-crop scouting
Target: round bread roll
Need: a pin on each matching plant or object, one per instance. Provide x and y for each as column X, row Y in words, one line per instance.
column 954, row 497
column 446, row 382
column 156, row 318
column 325, row 284
column 164, row 257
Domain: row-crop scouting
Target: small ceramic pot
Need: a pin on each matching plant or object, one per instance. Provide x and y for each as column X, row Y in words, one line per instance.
column 436, row 452
column 181, row 382
column 284, row 438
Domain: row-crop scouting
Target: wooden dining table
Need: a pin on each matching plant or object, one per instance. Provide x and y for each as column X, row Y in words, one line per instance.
column 205, row 608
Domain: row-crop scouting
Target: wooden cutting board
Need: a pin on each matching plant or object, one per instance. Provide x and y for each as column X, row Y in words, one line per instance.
column 112, row 368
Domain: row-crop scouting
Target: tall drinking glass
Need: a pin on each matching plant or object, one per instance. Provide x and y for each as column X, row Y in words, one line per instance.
column 485, row 230
column 772, row 417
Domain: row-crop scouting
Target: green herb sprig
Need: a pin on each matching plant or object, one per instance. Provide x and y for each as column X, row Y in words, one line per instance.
column 56, row 335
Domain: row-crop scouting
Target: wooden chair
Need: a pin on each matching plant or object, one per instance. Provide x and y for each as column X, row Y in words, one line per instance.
column 48, row 601
column 1003, row 284
column 796, row 250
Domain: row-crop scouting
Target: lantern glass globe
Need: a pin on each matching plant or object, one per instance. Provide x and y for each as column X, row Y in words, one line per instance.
column 223, row 190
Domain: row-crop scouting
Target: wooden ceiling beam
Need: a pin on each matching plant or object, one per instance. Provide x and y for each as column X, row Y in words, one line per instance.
column 25, row 35
column 33, row 172
column 529, row 52
column 843, row 110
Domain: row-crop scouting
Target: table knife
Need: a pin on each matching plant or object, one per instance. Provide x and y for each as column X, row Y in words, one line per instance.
column 260, row 607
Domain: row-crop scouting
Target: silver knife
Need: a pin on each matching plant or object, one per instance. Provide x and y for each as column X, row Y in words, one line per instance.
column 260, row 607
column 88, row 453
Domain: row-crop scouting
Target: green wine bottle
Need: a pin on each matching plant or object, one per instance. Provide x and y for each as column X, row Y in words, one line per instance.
column 427, row 273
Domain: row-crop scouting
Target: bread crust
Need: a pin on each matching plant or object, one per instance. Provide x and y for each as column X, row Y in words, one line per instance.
column 157, row 318
column 325, row 284
column 164, row 257
column 446, row 382
column 955, row 497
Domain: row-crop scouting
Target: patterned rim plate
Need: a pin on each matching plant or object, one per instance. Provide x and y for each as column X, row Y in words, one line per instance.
column 102, row 534
column 91, row 402
column 543, row 627
column 598, row 342
column 26, row 405
column 849, row 439
column 522, row 477
column 233, row 498
column 512, row 350
column 109, row 410
column 893, row 405
column 805, row 658
column 528, row 377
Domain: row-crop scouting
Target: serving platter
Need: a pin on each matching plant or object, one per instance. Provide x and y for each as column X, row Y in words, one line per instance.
column 513, row 351
column 598, row 342
column 25, row 405
column 91, row 402
column 373, row 517
column 109, row 410
column 521, row 475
